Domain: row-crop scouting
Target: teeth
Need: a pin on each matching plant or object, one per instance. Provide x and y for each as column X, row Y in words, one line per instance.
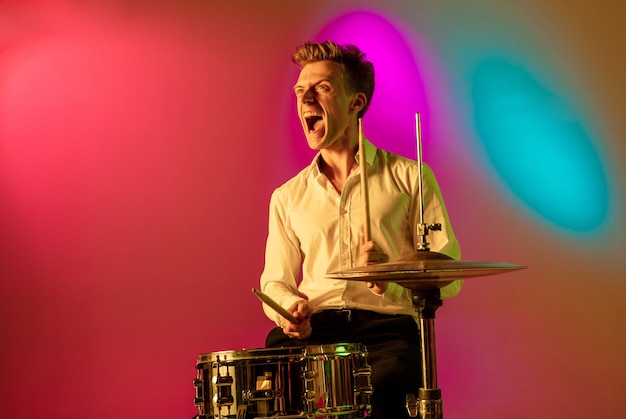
column 311, row 118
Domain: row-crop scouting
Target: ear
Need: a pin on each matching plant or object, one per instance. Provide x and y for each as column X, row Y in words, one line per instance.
column 358, row 102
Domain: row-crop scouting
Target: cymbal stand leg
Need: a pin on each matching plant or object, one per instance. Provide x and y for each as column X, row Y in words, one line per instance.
column 429, row 403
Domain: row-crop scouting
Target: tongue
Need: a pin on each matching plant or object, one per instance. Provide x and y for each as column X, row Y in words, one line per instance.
column 318, row 124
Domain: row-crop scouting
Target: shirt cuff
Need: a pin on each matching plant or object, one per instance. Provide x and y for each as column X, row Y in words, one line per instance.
column 376, row 293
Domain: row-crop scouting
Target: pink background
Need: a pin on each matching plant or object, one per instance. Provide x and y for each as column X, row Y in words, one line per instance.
column 139, row 144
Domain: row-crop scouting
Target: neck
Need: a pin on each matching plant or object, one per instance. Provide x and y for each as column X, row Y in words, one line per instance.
column 337, row 167
column 338, row 161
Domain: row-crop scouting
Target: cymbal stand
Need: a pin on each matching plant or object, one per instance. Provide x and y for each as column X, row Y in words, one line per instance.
column 425, row 301
column 428, row 404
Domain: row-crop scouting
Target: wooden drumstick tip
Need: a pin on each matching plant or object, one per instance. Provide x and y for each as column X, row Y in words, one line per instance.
column 273, row 304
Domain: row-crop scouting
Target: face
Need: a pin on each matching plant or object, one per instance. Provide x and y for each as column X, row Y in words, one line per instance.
column 326, row 110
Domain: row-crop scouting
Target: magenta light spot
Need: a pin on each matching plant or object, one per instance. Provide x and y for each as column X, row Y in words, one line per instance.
column 398, row 94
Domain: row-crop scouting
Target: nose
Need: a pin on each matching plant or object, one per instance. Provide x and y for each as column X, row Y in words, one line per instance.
column 307, row 96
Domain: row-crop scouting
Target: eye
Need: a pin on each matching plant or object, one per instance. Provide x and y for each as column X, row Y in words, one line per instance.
column 322, row 87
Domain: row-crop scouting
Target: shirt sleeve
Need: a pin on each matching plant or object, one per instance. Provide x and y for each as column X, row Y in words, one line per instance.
column 443, row 241
column 282, row 260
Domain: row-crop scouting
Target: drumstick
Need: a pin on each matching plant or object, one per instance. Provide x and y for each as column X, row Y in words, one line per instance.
column 364, row 191
column 267, row 300
column 418, row 133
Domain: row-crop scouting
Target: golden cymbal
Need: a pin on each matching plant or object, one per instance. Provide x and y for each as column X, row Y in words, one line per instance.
column 424, row 270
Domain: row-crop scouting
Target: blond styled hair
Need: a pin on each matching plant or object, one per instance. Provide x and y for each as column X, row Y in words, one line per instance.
column 358, row 72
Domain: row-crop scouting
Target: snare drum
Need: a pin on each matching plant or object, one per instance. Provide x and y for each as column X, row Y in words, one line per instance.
column 299, row 382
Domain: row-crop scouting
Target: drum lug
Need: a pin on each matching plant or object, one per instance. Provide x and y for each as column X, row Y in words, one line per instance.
column 309, row 375
column 363, row 389
column 310, row 395
column 309, row 386
column 198, row 401
column 224, row 396
column 362, row 380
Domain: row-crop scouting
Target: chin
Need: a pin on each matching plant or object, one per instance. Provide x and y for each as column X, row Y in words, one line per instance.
column 314, row 145
column 315, row 141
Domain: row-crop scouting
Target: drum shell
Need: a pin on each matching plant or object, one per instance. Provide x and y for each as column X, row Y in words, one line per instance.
column 310, row 381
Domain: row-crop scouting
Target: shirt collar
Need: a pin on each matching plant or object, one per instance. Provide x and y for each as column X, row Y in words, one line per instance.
column 370, row 155
column 370, row 152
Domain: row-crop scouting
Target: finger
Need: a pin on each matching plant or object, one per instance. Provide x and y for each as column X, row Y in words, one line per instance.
column 303, row 333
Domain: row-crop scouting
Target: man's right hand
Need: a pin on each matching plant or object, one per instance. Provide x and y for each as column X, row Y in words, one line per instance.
column 302, row 311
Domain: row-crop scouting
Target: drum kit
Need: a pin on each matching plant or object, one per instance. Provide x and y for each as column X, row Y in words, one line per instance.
column 333, row 381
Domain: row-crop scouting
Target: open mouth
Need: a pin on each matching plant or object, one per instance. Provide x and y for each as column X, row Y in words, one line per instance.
column 313, row 121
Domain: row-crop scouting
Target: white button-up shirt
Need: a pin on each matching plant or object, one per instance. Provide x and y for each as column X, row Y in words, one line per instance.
column 314, row 230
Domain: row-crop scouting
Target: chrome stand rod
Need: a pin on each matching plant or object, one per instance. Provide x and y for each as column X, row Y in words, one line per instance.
column 428, row 404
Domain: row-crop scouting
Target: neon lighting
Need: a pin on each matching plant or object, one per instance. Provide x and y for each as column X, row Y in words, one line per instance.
column 399, row 92
column 539, row 146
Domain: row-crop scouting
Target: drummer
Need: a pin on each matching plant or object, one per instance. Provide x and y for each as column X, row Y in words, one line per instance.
column 316, row 221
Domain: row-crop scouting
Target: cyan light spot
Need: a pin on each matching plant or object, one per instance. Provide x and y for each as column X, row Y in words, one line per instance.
column 539, row 146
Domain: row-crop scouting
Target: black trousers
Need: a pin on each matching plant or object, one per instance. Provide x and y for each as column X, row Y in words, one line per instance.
column 393, row 346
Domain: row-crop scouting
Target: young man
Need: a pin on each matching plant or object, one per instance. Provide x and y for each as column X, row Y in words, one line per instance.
column 315, row 226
